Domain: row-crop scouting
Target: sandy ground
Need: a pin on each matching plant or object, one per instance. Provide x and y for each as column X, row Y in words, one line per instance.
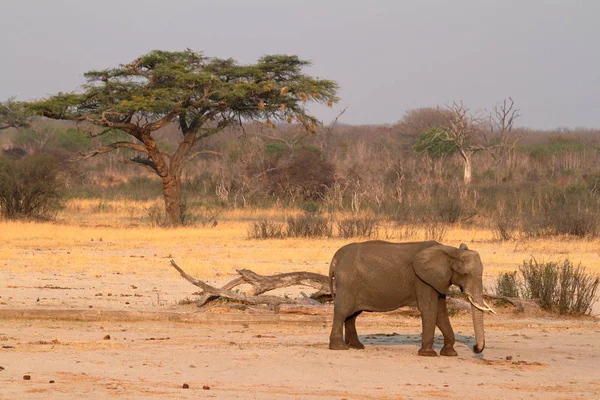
column 245, row 354
column 63, row 289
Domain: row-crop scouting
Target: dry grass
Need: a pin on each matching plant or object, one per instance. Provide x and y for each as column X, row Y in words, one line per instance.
column 98, row 239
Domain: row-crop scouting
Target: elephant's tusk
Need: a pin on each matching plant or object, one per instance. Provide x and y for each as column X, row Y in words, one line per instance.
column 479, row 307
column 489, row 308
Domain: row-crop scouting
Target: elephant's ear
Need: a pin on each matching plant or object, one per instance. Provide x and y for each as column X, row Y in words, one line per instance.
column 432, row 265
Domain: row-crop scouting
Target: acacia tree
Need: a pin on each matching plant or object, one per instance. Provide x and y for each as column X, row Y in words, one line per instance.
column 13, row 114
column 201, row 95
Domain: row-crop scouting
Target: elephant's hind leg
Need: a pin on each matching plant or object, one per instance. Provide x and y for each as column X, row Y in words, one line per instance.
column 351, row 337
column 443, row 323
column 336, row 339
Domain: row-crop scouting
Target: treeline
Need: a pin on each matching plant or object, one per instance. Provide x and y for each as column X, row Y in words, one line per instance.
column 524, row 181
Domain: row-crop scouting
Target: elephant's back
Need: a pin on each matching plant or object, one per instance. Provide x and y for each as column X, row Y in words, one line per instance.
column 379, row 274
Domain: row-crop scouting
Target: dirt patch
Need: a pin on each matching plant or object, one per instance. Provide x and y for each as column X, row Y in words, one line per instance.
column 249, row 357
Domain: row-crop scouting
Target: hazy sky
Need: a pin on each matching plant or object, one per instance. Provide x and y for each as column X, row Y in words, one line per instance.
column 388, row 55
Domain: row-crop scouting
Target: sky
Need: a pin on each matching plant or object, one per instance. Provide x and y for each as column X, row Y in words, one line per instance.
column 388, row 56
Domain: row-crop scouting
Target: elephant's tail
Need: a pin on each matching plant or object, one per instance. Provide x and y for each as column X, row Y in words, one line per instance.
column 332, row 276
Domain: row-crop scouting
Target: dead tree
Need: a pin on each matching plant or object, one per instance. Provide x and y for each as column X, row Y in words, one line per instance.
column 502, row 121
column 262, row 284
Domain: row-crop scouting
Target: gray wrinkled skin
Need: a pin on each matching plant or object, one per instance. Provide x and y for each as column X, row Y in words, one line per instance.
column 382, row 276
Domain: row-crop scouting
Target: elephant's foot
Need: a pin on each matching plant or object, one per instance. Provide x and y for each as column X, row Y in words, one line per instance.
column 337, row 345
column 448, row 351
column 427, row 352
column 355, row 344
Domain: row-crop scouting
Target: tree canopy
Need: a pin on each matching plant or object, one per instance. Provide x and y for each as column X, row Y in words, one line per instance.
column 13, row 114
column 434, row 142
column 202, row 95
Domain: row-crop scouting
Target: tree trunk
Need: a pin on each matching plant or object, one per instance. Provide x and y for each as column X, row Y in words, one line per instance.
column 172, row 196
column 468, row 168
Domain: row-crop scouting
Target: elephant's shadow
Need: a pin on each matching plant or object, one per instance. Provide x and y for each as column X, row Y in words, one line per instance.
column 396, row 339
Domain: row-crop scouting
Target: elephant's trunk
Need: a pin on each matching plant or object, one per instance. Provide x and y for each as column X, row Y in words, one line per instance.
column 477, row 313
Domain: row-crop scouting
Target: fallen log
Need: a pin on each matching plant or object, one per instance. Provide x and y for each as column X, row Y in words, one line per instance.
column 520, row 304
column 261, row 284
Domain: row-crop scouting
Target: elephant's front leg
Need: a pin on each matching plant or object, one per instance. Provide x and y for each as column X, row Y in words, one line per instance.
column 427, row 301
column 443, row 322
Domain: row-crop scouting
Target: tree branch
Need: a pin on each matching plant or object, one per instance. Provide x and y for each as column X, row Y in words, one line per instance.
column 261, row 284
column 146, row 163
column 114, row 146
column 211, row 152
column 272, row 300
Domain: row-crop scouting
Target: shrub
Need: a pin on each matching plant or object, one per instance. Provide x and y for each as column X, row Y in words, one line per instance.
column 364, row 226
column 569, row 211
column 560, row 286
column 156, row 214
column 504, row 230
column 308, row 225
column 30, row 187
column 307, row 175
column 449, row 209
column 265, row 229
column 507, row 284
column 435, row 230
column 556, row 286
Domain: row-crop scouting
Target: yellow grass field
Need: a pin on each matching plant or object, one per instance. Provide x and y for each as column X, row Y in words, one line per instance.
column 98, row 237
column 91, row 304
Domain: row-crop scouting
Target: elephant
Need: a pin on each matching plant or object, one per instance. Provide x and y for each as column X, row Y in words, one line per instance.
column 382, row 276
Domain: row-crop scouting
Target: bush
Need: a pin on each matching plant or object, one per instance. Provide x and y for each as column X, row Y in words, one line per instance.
column 435, row 230
column 30, row 187
column 358, row 227
column 265, row 229
column 570, row 211
column 560, row 286
column 449, row 209
column 156, row 214
column 308, row 225
column 507, row 284
column 504, row 230
column 305, row 176
column 556, row 286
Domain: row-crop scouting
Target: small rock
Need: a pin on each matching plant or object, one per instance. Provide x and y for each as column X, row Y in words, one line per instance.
column 26, row 377
column 133, row 287
column 509, row 358
column 107, row 337
column 192, row 366
column 186, row 386
column 90, row 306
column 51, row 382
column 1, row 368
column 206, row 387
